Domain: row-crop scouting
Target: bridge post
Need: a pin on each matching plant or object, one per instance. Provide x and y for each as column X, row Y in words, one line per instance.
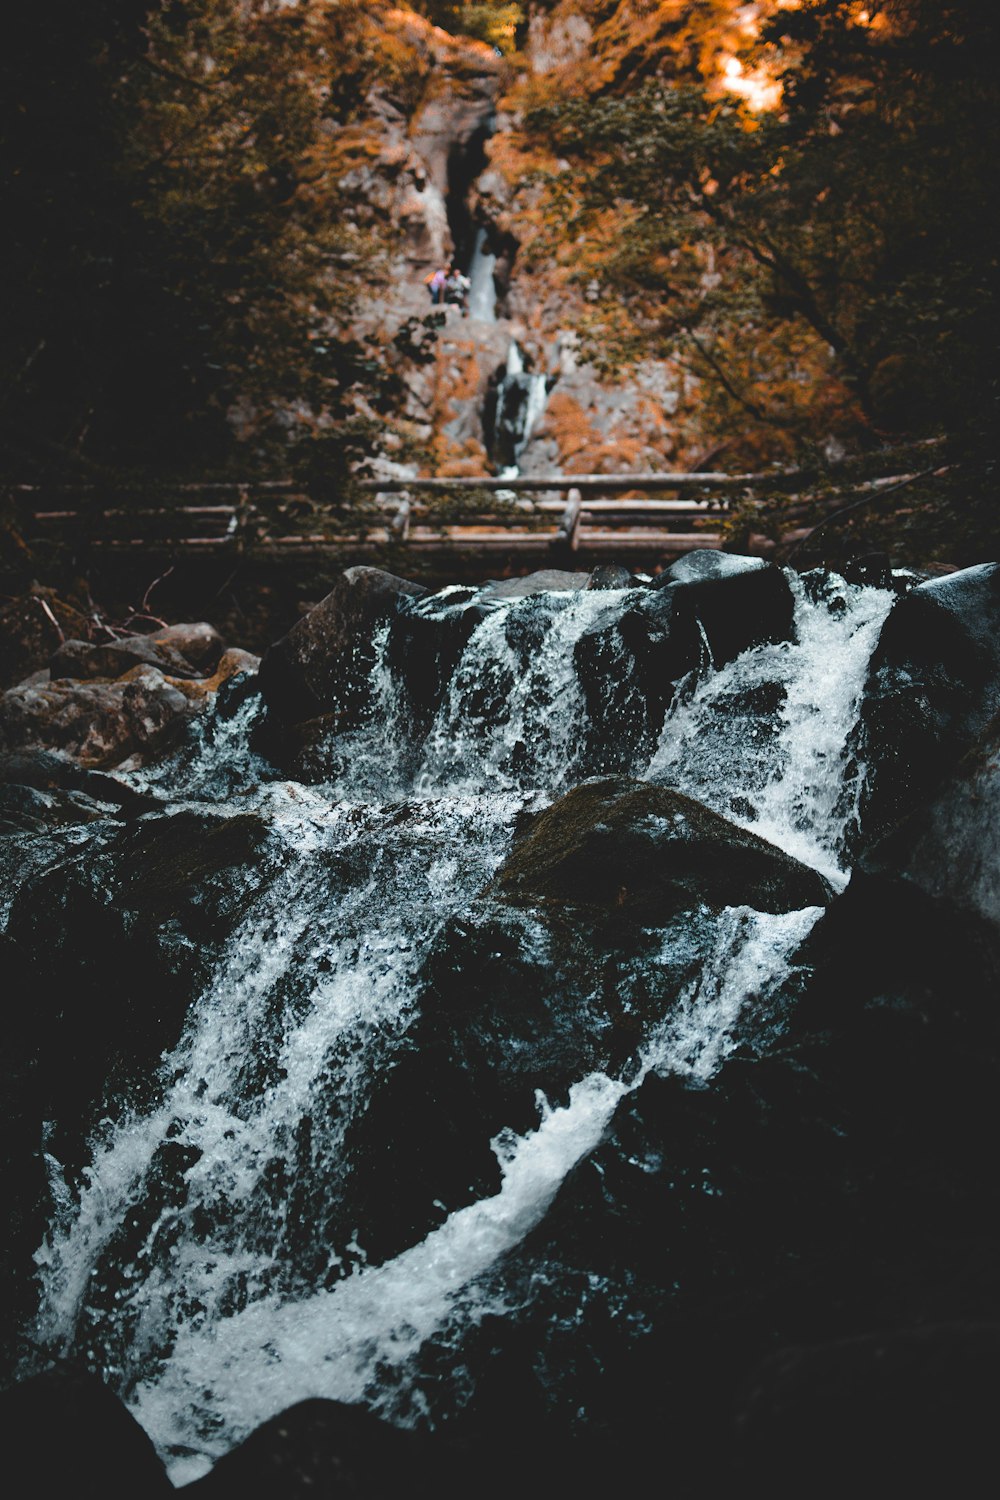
column 569, row 527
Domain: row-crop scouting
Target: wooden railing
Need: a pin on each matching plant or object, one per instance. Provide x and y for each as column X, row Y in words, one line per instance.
column 633, row 518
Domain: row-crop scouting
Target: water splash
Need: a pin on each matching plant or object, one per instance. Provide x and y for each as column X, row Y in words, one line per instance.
column 764, row 741
column 203, row 1266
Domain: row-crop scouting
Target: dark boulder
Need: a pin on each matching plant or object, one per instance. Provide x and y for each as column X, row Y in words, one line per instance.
column 732, row 602
column 46, row 771
column 328, row 1448
column 610, row 576
column 426, row 641
column 116, row 939
column 86, row 660
column 703, row 612
column 645, row 852
column 933, row 685
column 580, row 946
column 322, row 664
column 949, row 848
column 65, row 1434
column 909, row 1409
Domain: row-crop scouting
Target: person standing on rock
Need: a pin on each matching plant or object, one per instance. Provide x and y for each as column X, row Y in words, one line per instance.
column 457, row 290
column 437, row 284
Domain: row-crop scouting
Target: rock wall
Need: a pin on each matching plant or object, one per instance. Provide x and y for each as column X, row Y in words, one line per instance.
column 447, row 154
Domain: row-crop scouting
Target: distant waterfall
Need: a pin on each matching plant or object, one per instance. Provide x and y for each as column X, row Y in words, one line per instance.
column 482, row 289
column 512, row 411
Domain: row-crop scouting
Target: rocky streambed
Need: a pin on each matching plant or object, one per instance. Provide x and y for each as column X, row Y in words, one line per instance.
column 509, row 1035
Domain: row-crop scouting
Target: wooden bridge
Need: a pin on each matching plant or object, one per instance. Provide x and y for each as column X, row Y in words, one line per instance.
column 451, row 526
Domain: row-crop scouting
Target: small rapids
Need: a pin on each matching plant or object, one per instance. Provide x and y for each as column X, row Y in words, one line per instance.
column 208, row 1262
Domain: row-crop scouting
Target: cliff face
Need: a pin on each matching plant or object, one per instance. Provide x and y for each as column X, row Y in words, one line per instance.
column 448, row 160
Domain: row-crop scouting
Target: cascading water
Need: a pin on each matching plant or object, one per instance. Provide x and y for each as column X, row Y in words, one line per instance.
column 482, row 287
column 211, row 1263
column 512, row 411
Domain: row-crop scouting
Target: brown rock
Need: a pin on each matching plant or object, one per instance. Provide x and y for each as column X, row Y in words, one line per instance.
column 98, row 723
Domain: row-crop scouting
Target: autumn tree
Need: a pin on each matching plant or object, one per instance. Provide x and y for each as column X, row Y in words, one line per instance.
column 827, row 262
column 182, row 259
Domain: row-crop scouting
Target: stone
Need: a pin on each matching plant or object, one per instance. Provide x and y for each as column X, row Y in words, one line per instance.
column 197, row 642
column 65, row 1433
column 581, row 945
column 645, row 853
column 118, row 936
column 50, row 771
column 610, row 576
column 933, row 686
column 230, row 663
column 949, row 848
column 323, row 662
column 84, row 660
column 99, row 723
column 731, row 602
column 557, row 579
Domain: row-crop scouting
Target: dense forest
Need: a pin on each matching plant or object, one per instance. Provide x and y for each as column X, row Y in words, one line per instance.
column 791, row 200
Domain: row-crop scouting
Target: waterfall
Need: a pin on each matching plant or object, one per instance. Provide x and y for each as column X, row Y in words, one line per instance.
column 482, row 288
column 203, row 1263
column 513, row 410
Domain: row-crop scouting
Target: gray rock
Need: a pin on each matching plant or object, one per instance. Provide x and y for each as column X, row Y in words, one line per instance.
column 933, row 687
column 610, row 576
column 546, row 579
column 949, row 848
column 83, row 661
column 705, row 564
column 322, row 664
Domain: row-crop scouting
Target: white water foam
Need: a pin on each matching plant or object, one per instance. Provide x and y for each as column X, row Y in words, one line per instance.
column 507, row 722
column 183, row 1283
column 779, row 768
column 335, row 1344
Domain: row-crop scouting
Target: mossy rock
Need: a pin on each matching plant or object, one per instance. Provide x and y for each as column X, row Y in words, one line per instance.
column 644, row 853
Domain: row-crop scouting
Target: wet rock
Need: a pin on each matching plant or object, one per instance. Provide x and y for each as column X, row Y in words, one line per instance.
column 234, row 692
column 544, row 579
column 646, row 852
column 23, row 809
column 610, row 576
column 328, row 1447
column 910, row 1407
column 949, row 848
column 65, row 1433
column 230, row 664
column 933, row 685
column 83, row 660
column 322, row 664
column 704, row 611
column 583, row 942
column 117, row 938
column 734, row 602
column 426, row 641
column 98, row 723
column 48, row 771
column 196, row 641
